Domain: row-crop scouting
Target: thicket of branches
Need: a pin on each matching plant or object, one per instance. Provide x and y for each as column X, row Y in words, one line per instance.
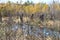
column 39, row 15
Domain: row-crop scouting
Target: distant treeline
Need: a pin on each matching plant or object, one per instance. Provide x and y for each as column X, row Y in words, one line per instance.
column 28, row 8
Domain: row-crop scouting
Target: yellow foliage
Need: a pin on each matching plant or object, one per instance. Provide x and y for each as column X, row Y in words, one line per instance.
column 45, row 8
column 29, row 9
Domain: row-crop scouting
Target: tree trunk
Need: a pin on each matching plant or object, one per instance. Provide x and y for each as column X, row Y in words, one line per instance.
column 0, row 17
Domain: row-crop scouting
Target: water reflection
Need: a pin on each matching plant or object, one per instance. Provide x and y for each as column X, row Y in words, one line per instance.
column 36, row 31
column 15, row 27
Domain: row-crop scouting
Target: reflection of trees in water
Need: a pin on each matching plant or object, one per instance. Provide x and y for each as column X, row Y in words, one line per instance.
column 15, row 32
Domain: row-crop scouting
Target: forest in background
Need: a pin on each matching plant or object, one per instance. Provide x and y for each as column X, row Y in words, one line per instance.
column 36, row 12
column 37, row 15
